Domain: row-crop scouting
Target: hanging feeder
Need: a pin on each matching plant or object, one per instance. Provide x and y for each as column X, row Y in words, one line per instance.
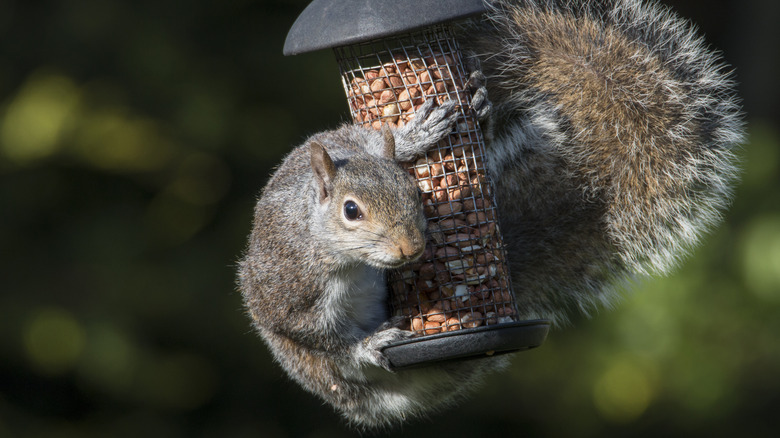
column 394, row 56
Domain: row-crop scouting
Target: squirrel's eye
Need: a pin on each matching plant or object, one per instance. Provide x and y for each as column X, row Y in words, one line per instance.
column 352, row 211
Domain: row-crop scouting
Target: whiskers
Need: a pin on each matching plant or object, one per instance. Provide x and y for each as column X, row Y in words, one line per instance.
column 372, row 248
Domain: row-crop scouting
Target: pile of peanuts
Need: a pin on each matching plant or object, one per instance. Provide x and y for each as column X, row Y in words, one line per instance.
column 461, row 279
column 393, row 92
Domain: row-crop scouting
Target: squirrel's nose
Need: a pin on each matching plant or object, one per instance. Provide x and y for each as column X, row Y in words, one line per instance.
column 411, row 248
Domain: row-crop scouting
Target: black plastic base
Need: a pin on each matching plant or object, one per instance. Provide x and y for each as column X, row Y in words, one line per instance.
column 468, row 343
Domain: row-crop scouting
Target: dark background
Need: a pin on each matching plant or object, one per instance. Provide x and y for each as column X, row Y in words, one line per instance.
column 134, row 137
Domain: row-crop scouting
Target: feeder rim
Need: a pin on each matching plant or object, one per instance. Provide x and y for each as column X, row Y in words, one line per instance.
column 333, row 23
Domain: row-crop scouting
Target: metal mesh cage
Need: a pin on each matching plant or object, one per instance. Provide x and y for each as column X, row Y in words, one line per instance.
column 462, row 280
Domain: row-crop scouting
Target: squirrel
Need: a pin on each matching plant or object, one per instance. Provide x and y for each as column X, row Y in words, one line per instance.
column 334, row 217
column 610, row 133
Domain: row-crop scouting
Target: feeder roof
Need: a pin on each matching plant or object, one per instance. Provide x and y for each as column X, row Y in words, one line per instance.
column 332, row 23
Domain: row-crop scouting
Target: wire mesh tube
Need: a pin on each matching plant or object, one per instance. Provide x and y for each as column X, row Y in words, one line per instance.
column 462, row 279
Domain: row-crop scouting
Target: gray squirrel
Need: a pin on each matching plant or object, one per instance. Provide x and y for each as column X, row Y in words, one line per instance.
column 610, row 136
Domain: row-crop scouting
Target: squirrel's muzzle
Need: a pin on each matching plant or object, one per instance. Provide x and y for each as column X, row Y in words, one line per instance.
column 411, row 246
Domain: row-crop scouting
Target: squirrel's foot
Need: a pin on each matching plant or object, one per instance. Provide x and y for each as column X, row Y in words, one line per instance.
column 387, row 334
column 480, row 104
column 430, row 124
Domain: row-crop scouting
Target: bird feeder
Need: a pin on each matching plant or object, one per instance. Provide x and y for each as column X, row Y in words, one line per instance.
column 393, row 57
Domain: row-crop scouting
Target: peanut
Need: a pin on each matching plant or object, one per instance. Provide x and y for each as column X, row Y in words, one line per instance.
column 378, row 84
column 449, row 208
column 437, row 317
column 476, row 217
column 459, row 193
column 459, row 239
column 471, row 320
column 440, row 195
column 371, row 75
column 417, row 323
column 451, row 225
column 447, row 253
column 431, row 327
column 450, row 180
column 425, row 185
column 391, row 112
column 410, row 78
column 427, row 271
column 395, row 81
column 386, row 96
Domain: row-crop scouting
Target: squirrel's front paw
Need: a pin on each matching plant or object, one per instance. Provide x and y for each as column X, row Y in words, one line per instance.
column 438, row 121
column 430, row 124
column 374, row 344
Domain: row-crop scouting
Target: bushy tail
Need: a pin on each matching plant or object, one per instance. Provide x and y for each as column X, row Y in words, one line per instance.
column 641, row 114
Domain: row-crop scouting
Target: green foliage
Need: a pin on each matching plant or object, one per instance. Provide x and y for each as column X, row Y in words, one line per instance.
column 134, row 137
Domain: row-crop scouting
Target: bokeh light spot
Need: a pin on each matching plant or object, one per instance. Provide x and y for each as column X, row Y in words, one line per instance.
column 762, row 157
column 624, row 391
column 109, row 360
column 36, row 118
column 117, row 140
column 761, row 258
column 53, row 340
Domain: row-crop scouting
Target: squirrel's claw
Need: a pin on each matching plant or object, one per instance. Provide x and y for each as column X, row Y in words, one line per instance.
column 386, row 335
column 438, row 120
column 480, row 104
column 430, row 124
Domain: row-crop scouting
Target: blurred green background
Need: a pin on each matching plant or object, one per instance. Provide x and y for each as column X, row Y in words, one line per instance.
column 134, row 137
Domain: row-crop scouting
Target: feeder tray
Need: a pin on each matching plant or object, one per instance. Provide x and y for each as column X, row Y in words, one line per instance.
column 394, row 57
column 467, row 344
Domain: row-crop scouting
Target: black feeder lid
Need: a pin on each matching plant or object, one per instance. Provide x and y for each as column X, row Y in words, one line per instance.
column 333, row 23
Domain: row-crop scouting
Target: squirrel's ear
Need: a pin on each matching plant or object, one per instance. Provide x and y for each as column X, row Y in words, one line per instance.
column 323, row 169
column 388, row 151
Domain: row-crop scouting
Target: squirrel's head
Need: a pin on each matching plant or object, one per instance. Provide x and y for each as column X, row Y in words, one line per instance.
column 371, row 209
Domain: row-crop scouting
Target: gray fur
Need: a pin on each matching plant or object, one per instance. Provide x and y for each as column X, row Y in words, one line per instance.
column 610, row 135
column 612, row 143
column 315, row 283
